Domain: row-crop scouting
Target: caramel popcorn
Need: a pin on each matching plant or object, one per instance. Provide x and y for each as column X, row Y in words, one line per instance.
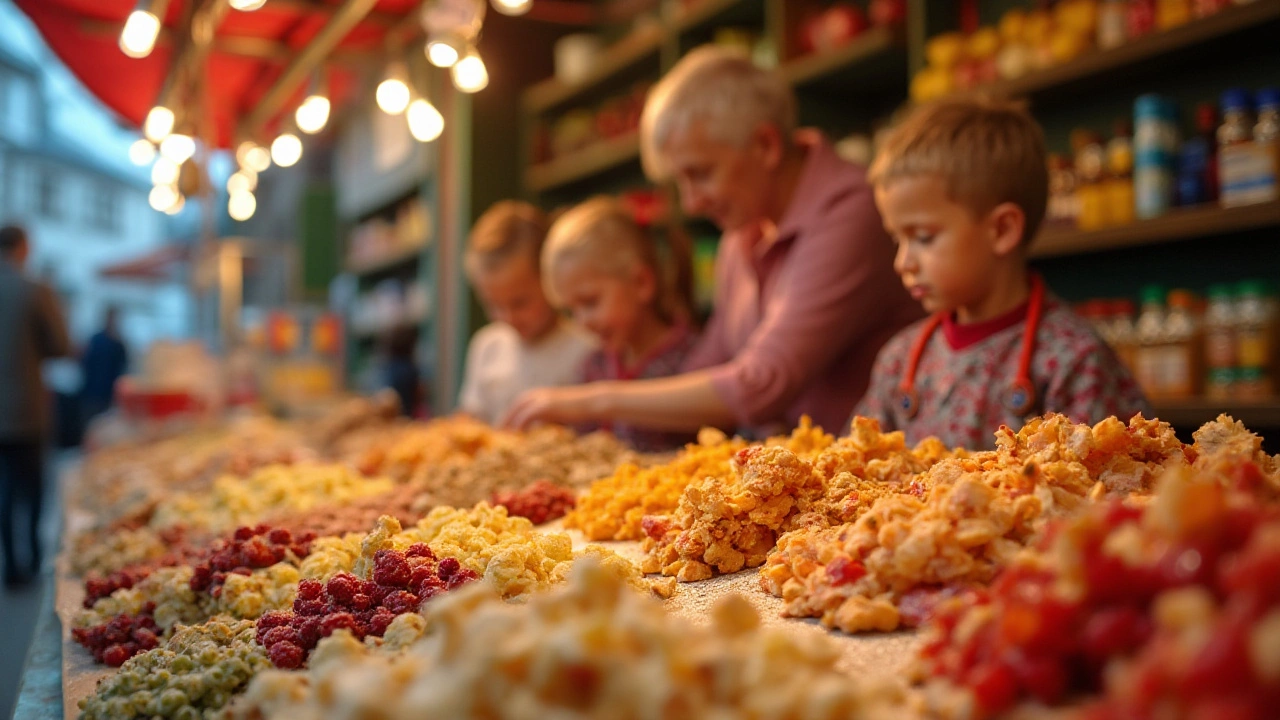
column 589, row 649
column 978, row 513
column 724, row 524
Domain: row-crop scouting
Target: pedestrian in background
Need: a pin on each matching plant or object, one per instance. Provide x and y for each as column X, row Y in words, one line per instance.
column 104, row 361
column 31, row 331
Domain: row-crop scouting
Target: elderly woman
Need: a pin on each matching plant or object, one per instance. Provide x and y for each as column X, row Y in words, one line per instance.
column 805, row 288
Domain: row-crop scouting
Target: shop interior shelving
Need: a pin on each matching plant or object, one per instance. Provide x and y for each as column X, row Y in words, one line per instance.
column 858, row 86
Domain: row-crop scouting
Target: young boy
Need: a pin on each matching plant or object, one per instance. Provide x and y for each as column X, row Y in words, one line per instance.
column 527, row 345
column 962, row 188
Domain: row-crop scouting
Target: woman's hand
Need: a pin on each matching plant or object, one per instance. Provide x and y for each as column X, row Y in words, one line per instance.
column 564, row 405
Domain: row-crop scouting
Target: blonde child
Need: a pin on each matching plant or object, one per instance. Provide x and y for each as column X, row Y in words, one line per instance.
column 962, row 188
column 527, row 345
column 603, row 268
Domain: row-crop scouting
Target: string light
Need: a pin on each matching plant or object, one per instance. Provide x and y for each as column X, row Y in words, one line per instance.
column 247, row 5
column 176, row 207
column 165, row 172
column 241, row 206
column 159, row 124
column 138, row 38
column 163, row 197
column 469, row 74
column 252, row 156
column 425, row 121
column 512, row 7
column 393, row 93
column 243, row 180
column 142, row 152
column 178, row 148
column 313, row 114
column 286, row 150
column 443, row 51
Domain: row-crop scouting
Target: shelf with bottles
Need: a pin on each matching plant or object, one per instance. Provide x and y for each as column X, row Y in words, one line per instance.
column 389, row 239
column 1143, row 186
column 1183, row 349
column 1262, row 412
column 1082, row 43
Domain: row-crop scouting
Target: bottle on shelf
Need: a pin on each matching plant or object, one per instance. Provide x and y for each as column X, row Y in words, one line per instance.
column 1246, row 168
column 1266, row 135
column 1155, row 141
column 1150, row 355
column 1090, row 164
column 1206, row 131
column 1119, row 183
column 1220, row 328
column 1256, row 334
column 1112, row 30
column 1124, row 333
column 1063, row 201
column 1185, row 349
column 1172, row 13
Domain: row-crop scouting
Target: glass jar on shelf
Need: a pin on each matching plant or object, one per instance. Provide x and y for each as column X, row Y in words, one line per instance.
column 1150, row 356
column 1256, row 331
column 1124, row 333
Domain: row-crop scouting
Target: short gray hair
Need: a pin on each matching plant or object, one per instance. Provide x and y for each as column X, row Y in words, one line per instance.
column 721, row 88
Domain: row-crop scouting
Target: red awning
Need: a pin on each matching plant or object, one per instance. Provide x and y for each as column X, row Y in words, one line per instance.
column 156, row 265
column 250, row 51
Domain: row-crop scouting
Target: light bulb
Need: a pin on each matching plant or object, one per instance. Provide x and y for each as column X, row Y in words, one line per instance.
column 163, row 197
column 512, row 7
column 425, row 121
column 165, row 172
column 442, row 53
column 470, row 74
column 138, row 38
column 241, row 205
column 244, row 180
column 159, row 123
column 286, row 150
column 178, row 148
column 256, row 158
column 142, row 152
column 177, row 206
column 313, row 114
column 393, row 95
column 247, row 5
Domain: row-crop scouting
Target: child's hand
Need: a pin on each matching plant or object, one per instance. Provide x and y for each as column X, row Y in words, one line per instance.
column 563, row 405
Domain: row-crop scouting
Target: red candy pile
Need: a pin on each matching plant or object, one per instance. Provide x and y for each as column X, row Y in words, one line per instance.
column 541, row 502
column 401, row 582
column 120, row 638
column 249, row 549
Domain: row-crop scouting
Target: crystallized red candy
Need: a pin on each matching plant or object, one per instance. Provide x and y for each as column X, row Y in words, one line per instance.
column 401, row 582
column 540, row 502
column 249, row 549
column 120, row 638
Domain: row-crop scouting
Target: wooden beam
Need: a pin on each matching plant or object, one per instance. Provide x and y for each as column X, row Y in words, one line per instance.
column 345, row 17
column 255, row 48
column 318, row 7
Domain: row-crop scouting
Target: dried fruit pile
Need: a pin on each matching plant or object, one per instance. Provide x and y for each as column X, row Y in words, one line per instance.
column 1172, row 610
column 540, row 502
column 120, row 638
column 401, row 582
column 589, row 649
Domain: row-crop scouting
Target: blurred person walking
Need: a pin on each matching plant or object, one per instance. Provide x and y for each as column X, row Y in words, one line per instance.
column 31, row 331
column 104, row 361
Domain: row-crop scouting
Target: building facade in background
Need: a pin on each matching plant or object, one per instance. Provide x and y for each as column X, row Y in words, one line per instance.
column 85, row 213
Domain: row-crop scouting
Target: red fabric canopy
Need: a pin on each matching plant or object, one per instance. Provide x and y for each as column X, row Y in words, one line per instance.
column 154, row 265
column 85, row 33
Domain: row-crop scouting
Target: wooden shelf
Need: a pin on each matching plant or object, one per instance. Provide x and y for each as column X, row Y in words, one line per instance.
column 1261, row 413
column 1179, row 224
column 702, row 13
column 1098, row 66
column 389, row 262
column 873, row 43
column 628, row 51
column 595, row 158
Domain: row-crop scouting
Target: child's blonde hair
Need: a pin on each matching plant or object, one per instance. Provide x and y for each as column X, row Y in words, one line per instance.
column 508, row 229
column 987, row 151
column 601, row 232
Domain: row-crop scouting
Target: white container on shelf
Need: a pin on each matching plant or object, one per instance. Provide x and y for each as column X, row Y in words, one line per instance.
column 576, row 55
